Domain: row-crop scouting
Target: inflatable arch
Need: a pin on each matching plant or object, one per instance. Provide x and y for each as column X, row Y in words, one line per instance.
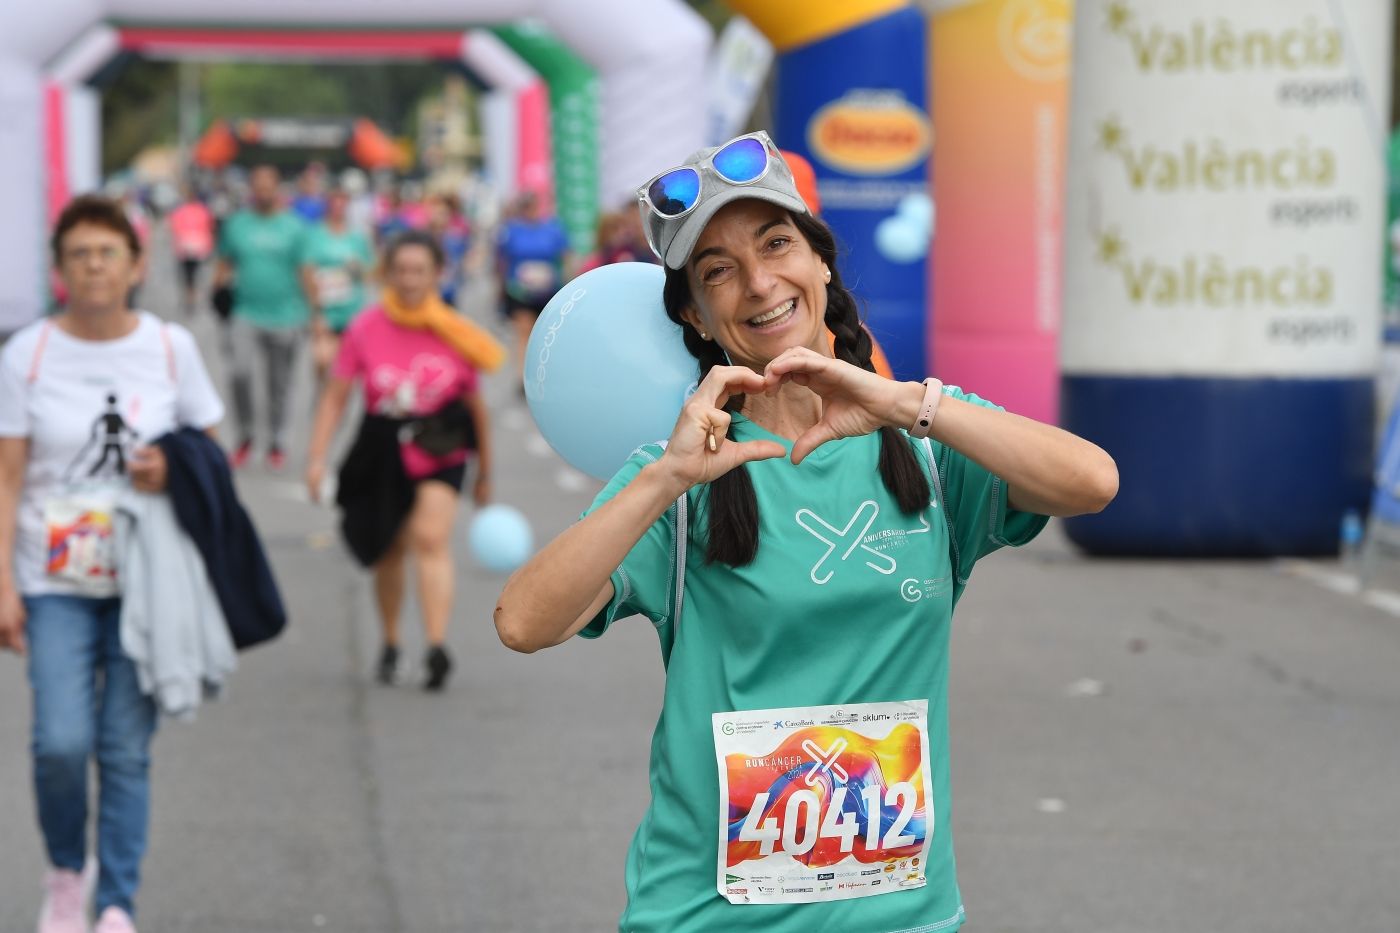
column 47, row 52
column 520, row 118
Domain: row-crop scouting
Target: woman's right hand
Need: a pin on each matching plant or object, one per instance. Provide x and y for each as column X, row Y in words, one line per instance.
column 11, row 622
column 315, row 476
column 698, row 451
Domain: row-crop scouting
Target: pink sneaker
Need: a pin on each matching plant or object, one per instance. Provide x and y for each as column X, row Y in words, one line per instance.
column 114, row 920
column 64, row 903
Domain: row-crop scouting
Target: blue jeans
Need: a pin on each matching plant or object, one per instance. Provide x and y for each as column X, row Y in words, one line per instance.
column 87, row 702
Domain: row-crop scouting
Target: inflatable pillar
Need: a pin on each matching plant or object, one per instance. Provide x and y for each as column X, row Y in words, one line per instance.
column 515, row 151
column 1222, row 295
column 573, row 99
column 1000, row 90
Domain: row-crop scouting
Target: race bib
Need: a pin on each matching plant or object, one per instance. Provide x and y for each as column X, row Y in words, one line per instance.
column 81, row 548
column 823, row 803
column 536, row 276
column 334, row 286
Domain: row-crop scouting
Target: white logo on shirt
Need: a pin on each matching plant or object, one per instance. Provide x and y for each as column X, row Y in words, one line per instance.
column 413, row 391
column 850, row 539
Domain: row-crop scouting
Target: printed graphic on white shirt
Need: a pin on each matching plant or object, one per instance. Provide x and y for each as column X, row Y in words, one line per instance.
column 78, row 515
column 108, row 445
column 823, row 803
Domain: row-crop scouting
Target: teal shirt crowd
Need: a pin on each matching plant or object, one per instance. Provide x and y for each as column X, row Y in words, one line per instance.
column 847, row 606
column 341, row 262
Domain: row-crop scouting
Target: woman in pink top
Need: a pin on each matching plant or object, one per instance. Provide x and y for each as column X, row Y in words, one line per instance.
column 192, row 231
column 423, row 421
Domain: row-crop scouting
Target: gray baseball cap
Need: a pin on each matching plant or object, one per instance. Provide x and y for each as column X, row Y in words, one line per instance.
column 673, row 238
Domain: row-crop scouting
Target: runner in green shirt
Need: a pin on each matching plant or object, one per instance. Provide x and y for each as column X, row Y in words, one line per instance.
column 798, row 544
column 267, row 252
column 262, row 254
column 341, row 259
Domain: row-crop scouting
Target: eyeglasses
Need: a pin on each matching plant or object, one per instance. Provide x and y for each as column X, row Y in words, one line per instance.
column 740, row 161
column 82, row 254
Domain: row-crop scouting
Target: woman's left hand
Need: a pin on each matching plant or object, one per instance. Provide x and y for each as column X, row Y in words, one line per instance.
column 854, row 402
column 481, row 492
column 147, row 469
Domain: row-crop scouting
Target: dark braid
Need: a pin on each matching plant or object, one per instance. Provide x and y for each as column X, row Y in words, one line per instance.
column 733, row 507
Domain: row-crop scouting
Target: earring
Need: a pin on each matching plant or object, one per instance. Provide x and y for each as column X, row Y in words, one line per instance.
column 704, row 336
column 826, row 276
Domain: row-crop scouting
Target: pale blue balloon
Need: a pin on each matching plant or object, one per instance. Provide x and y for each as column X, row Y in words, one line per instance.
column 605, row 370
column 500, row 538
column 918, row 208
column 901, row 240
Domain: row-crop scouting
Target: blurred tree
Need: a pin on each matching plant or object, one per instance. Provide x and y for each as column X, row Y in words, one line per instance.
column 236, row 89
column 717, row 12
column 139, row 106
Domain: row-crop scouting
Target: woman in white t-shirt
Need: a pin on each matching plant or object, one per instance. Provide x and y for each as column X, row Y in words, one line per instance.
column 83, row 395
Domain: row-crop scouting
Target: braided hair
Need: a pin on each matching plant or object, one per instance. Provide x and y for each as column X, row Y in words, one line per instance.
column 733, row 508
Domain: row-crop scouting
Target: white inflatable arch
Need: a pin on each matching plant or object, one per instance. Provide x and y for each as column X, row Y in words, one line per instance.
column 650, row 56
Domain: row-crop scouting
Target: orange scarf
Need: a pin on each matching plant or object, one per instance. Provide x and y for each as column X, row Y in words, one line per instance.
column 466, row 339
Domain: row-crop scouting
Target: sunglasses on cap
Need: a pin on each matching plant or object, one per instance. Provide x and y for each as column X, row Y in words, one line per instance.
column 741, row 161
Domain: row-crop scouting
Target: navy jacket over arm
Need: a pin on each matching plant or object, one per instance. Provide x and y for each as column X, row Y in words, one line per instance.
column 200, row 486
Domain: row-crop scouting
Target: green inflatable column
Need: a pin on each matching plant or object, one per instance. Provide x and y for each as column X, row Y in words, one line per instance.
column 573, row 105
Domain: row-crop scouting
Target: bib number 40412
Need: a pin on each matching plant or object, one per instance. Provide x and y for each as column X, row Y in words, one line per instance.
column 803, row 822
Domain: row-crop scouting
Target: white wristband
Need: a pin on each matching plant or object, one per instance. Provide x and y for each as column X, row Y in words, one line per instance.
column 933, row 392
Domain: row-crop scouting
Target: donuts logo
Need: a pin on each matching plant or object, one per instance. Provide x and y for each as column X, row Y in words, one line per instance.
column 870, row 133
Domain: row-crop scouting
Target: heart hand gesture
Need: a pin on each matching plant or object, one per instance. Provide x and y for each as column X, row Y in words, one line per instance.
column 854, row 402
column 698, row 451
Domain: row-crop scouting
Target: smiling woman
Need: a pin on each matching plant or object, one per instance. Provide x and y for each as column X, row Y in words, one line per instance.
column 839, row 515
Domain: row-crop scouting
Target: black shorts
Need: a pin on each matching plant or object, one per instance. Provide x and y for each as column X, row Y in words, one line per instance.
column 189, row 271
column 453, row 476
column 533, row 304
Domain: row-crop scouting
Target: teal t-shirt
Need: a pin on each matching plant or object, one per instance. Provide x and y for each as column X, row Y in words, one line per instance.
column 267, row 253
column 341, row 262
column 842, row 617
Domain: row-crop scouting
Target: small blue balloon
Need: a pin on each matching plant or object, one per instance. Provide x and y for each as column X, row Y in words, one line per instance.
column 500, row 538
column 900, row 240
column 917, row 208
column 605, row 370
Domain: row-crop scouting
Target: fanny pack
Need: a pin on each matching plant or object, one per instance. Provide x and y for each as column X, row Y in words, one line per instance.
column 446, row 431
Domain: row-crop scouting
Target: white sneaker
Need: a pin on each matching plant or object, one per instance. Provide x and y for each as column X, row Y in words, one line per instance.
column 65, row 904
column 114, row 920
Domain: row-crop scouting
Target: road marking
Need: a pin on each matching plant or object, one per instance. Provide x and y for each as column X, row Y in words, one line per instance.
column 1345, row 584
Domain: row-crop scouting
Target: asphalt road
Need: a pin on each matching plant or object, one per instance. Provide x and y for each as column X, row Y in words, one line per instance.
column 1138, row 747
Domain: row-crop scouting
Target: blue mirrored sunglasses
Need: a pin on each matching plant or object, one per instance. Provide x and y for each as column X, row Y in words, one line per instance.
column 741, row 161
